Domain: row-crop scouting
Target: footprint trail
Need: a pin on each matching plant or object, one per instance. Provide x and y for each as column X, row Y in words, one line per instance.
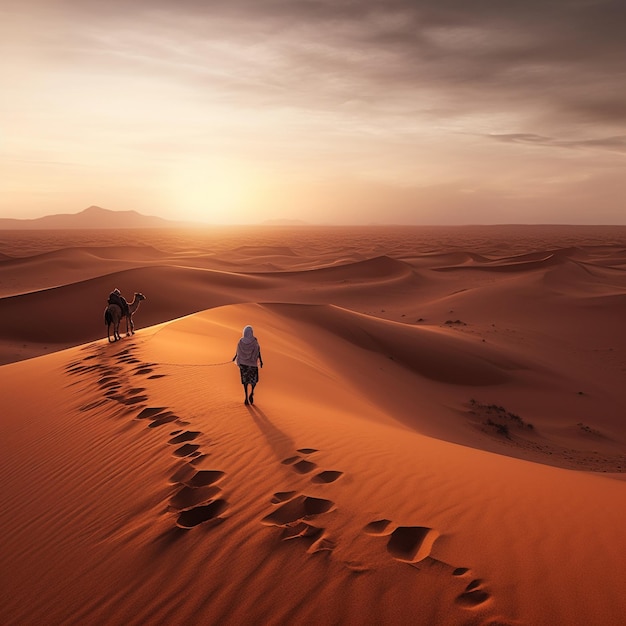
column 196, row 498
column 296, row 514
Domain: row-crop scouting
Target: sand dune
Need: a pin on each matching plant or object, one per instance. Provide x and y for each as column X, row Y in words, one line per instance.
column 58, row 267
column 545, row 259
column 432, row 353
column 381, row 268
column 426, row 446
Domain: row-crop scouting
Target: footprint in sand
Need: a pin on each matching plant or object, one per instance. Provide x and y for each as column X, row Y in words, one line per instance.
column 186, row 449
column 130, row 400
column 150, row 412
column 297, row 509
column 188, row 435
column 378, row 527
column 294, row 515
column 304, row 466
column 158, row 416
column 143, row 370
column 413, row 544
column 282, row 496
column 300, row 465
column 474, row 595
column 327, row 476
column 196, row 488
column 200, row 514
column 110, row 384
column 107, row 380
column 196, row 498
column 202, row 478
column 190, row 497
column 290, row 460
column 410, row 544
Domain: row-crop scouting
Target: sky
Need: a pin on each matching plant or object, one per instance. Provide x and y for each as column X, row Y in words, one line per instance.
column 338, row 111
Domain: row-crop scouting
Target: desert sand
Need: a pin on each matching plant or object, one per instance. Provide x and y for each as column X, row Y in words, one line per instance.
column 437, row 436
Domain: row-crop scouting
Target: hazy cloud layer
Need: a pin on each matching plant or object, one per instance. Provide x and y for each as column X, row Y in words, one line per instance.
column 617, row 144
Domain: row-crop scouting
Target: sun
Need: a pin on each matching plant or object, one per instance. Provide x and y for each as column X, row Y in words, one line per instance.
column 213, row 191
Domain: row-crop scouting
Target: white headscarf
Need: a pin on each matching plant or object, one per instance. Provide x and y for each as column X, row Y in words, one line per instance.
column 248, row 349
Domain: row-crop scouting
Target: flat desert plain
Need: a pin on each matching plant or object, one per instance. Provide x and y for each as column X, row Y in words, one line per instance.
column 437, row 435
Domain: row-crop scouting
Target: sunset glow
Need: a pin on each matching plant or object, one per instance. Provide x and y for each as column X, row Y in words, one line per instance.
column 328, row 112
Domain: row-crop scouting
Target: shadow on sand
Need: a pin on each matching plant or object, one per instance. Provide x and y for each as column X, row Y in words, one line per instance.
column 281, row 444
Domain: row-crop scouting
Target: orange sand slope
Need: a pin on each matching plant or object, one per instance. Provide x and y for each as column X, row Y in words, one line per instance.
column 437, row 436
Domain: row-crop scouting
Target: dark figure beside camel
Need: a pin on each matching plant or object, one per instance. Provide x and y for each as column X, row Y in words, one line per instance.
column 116, row 297
column 248, row 358
column 119, row 308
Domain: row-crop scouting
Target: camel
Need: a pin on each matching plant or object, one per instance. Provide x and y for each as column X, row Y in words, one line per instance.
column 113, row 316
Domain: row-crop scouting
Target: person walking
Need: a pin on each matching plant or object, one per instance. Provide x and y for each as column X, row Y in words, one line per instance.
column 248, row 357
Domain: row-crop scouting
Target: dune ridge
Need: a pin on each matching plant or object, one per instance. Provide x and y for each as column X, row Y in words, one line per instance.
column 425, row 447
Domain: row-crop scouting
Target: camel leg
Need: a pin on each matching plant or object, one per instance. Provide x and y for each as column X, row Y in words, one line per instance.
column 112, row 318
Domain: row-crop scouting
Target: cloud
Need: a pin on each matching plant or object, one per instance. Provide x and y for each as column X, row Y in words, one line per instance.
column 559, row 62
column 614, row 144
column 618, row 143
column 523, row 138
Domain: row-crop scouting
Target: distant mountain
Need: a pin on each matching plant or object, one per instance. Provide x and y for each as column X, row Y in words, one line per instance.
column 92, row 217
